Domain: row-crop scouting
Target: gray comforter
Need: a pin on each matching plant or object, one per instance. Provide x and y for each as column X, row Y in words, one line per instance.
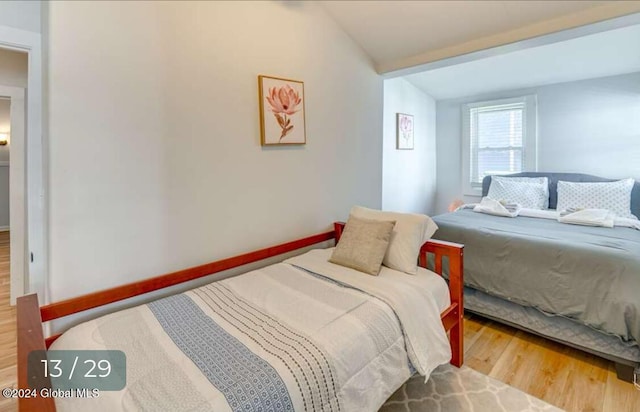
column 589, row 274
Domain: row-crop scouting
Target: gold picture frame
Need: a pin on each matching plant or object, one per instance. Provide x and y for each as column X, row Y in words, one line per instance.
column 282, row 111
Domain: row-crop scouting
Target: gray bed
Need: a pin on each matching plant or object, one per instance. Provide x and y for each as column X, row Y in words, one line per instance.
column 577, row 285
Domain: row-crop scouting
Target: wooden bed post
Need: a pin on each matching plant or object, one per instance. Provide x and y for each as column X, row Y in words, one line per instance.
column 453, row 317
column 456, row 286
column 338, row 227
column 30, row 338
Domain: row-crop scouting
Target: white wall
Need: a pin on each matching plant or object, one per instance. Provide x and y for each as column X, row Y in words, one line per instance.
column 24, row 15
column 155, row 156
column 5, row 115
column 409, row 176
column 13, row 68
column 5, row 126
column 588, row 126
column 13, row 72
column 4, row 197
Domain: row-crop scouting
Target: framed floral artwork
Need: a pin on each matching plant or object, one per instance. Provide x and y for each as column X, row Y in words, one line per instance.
column 281, row 111
column 404, row 131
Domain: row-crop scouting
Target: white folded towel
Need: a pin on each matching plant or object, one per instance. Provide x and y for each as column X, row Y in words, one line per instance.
column 626, row 222
column 588, row 217
column 497, row 208
column 553, row 214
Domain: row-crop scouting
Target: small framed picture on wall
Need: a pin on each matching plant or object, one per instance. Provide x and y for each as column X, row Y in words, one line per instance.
column 282, row 114
column 404, row 131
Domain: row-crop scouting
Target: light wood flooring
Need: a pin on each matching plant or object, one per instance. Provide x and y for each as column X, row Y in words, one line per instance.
column 565, row 377
column 7, row 328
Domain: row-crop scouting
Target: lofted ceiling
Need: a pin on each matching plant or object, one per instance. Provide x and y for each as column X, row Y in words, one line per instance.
column 400, row 34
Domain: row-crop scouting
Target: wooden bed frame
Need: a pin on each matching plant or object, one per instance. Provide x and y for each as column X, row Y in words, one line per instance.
column 31, row 317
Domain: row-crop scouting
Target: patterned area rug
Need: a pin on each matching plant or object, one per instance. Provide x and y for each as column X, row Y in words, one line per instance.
column 450, row 389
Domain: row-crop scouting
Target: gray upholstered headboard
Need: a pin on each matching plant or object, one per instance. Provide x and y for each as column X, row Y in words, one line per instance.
column 568, row 177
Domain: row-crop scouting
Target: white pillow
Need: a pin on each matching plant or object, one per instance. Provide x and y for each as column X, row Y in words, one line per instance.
column 613, row 196
column 409, row 233
column 528, row 192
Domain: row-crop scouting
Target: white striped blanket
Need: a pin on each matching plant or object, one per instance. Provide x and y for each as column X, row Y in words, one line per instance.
column 276, row 339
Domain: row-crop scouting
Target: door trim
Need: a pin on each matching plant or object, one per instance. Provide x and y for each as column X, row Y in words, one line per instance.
column 36, row 175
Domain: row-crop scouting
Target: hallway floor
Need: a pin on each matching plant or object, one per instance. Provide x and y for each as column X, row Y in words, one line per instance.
column 7, row 328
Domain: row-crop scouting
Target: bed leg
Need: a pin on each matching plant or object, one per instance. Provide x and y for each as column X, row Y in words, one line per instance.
column 457, row 344
column 624, row 372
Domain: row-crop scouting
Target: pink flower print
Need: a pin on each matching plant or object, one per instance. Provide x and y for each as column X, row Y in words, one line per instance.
column 406, row 126
column 284, row 101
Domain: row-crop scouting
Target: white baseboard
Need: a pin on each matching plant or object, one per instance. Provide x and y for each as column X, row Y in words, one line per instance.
column 4, row 228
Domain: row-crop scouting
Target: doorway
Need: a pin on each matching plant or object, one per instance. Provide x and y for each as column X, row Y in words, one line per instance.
column 22, row 249
column 12, row 174
column 27, row 167
column 12, row 225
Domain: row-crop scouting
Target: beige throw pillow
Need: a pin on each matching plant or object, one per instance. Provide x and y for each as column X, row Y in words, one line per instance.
column 409, row 234
column 363, row 244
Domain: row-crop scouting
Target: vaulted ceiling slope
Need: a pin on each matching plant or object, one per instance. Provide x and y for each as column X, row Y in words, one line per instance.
column 401, row 34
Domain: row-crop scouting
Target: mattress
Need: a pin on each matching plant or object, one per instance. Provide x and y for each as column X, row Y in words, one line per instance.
column 588, row 274
column 302, row 335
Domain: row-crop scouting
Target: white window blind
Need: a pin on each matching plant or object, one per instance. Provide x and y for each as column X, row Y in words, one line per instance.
column 496, row 140
column 499, row 138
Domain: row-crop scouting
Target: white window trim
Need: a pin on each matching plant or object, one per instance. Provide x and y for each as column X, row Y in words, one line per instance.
column 529, row 143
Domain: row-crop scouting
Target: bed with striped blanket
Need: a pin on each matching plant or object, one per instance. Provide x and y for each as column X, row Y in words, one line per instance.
column 302, row 335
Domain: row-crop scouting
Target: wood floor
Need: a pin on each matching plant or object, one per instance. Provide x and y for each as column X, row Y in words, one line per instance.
column 7, row 328
column 565, row 377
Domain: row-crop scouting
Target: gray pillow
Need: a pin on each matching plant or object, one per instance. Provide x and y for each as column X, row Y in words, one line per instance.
column 363, row 244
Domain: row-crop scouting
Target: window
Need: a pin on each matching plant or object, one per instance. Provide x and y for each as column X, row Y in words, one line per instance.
column 499, row 138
